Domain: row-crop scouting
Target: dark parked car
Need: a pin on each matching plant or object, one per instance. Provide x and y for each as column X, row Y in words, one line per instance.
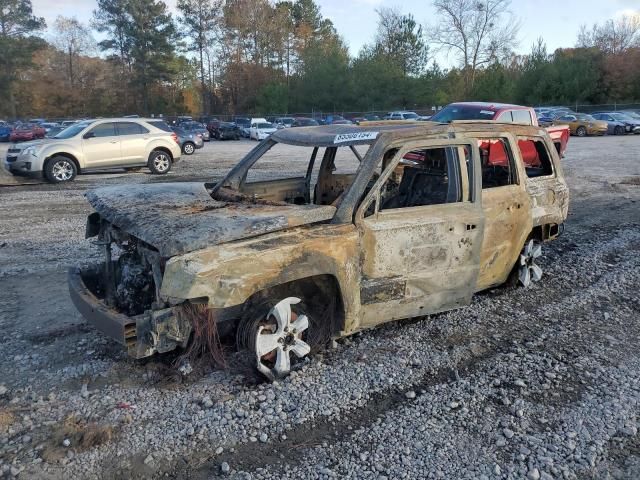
column 304, row 122
column 189, row 141
column 227, row 131
column 244, row 124
column 619, row 122
column 335, row 120
column 196, row 128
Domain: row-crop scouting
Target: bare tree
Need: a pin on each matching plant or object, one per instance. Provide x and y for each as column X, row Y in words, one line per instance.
column 613, row 36
column 477, row 31
column 74, row 39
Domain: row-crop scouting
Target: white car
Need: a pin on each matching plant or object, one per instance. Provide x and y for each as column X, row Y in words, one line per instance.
column 404, row 115
column 260, row 131
column 97, row 145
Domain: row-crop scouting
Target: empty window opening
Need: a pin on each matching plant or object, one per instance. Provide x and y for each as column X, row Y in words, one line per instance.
column 536, row 158
column 497, row 163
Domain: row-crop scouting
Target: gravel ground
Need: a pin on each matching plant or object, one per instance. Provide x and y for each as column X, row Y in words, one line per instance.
column 537, row 384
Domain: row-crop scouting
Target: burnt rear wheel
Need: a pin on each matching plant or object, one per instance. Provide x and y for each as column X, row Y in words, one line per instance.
column 528, row 270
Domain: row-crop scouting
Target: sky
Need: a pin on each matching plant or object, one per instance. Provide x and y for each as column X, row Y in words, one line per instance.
column 557, row 21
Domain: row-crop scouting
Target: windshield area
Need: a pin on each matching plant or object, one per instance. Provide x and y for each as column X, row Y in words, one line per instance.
column 460, row 112
column 264, row 125
column 72, row 131
column 411, row 116
column 620, row 116
column 294, row 174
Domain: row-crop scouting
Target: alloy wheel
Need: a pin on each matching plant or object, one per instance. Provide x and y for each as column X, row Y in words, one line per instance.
column 529, row 270
column 161, row 162
column 279, row 335
column 62, row 170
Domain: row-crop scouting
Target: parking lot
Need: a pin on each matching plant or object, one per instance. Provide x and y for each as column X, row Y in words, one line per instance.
column 532, row 383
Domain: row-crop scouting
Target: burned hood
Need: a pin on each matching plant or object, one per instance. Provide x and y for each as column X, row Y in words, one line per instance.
column 177, row 218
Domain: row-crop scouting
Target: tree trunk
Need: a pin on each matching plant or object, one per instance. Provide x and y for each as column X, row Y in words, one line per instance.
column 12, row 102
column 70, row 67
column 202, row 83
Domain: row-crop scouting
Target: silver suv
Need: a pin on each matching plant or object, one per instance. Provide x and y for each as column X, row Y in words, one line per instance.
column 97, row 145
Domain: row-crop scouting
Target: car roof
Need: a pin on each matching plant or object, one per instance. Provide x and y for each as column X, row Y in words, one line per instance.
column 326, row 135
column 495, row 106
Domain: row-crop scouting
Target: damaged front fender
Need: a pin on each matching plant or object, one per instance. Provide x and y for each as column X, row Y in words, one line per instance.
column 226, row 276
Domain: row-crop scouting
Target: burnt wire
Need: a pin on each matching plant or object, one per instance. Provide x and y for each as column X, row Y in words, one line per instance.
column 205, row 341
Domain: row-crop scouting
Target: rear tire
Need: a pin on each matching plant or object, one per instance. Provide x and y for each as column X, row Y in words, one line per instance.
column 159, row 162
column 581, row 132
column 189, row 148
column 60, row 169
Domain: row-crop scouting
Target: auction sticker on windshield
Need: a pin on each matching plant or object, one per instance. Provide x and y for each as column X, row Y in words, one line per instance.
column 358, row 136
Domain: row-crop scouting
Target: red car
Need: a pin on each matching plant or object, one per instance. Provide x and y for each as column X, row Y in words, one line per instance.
column 27, row 132
column 501, row 112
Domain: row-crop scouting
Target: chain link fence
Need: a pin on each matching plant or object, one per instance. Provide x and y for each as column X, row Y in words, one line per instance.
column 600, row 107
column 321, row 114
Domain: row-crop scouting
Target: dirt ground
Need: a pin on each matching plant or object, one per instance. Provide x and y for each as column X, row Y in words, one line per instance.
column 579, row 328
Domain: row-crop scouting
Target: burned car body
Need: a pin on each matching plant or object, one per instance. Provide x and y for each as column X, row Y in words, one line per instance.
column 433, row 214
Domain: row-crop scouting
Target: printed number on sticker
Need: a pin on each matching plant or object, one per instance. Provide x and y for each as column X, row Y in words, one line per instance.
column 350, row 137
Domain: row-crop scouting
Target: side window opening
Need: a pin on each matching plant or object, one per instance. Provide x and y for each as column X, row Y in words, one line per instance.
column 104, row 130
column 130, row 128
column 497, row 163
column 506, row 117
column 536, row 158
column 522, row 117
column 423, row 177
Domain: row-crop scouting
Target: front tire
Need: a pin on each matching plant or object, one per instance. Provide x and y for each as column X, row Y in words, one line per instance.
column 618, row 130
column 60, row 170
column 159, row 162
column 189, row 148
column 273, row 334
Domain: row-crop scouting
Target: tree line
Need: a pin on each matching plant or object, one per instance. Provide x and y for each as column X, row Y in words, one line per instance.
column 261, row 56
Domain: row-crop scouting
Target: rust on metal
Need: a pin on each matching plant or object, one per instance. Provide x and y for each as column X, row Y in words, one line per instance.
column 391, row 248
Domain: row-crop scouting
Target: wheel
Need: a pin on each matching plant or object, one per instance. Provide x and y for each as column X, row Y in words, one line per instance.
column 188, row 148
column 581, row 132
column 618, row 130
column 236, row 137
column 273, row 333
column 60, row 169
column 528, row 270
column 159, row 162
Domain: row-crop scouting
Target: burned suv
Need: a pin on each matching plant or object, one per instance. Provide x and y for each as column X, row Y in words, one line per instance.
column 429, row 215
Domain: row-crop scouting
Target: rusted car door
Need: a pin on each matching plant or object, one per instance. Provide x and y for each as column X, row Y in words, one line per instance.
column 545, row 183
column 421, row 259
column 506, row 206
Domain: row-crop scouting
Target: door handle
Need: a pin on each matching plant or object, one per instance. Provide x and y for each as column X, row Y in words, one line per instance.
column 113, row 142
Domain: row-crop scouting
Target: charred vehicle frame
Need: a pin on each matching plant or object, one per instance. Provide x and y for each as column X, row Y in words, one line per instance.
column 433, row 214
